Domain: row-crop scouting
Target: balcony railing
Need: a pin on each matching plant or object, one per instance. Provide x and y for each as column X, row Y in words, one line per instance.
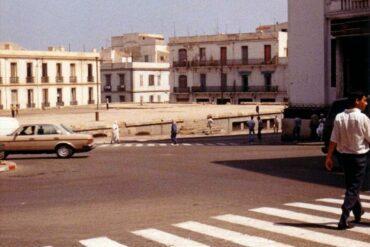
column 30, row 79
column 73, row 79
column 60, row 103
column 121, row 88
column 90, row 102
column 14, row 79
column 348, row 5
column 73, row 102
column 90, row 78
column 45, row 104
column 181, row 89
column 228, row 62
column 216, row 89
column 30, row 105
column 45, row 79
column 107, row 88
column 59, row 79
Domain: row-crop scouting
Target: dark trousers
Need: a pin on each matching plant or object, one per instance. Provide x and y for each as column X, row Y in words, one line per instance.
column 296, row 133
column 174, row 138
column 354, row 166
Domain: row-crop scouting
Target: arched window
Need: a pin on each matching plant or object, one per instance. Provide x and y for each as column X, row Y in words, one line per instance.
column 183, row 81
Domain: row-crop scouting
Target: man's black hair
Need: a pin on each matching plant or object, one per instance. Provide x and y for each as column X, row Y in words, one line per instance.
column 353, row 96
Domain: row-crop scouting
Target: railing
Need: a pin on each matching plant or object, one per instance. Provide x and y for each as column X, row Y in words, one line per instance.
column 45, row 79
column 228, row 62
column 211, row 89
column 30, row 105
column 107, row 88
column 90, row 78
column 121, row 88
column 29, row 79
column 60, row 103
column 73, row 102
column 73, row 79
column 14, row 79
column 354, row 4
column 91, row 102
column 45, row 104
column 59, row 79
column 181, row 89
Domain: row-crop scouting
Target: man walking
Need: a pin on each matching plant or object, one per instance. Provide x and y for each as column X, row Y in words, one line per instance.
column 259, row 128
column 251, row 124
column 174, row 132
column 351, row 137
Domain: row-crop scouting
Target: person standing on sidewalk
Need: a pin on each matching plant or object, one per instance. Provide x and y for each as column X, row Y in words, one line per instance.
column 115, row 133
column 351, row 137
column 210, row 123
column 174, row 132
column 251, row 124
column 259, row 128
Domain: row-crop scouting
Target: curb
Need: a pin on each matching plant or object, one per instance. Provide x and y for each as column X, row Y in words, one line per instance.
column 7, row 166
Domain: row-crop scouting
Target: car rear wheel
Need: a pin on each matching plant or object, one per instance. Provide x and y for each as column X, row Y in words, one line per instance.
column 64, row 151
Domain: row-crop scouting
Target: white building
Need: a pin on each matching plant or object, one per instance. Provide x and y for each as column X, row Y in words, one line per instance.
column 38, row 79
column 329, row 50
column 135, row 69
column 231, row 68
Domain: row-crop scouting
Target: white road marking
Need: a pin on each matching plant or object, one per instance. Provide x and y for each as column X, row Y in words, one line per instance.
column 104, row 145
column 186, row 144
column 163, row 144
column 139, row 145
column 326, row 209
column 116, row 145
column 287, row 214
column 151, row 145
column 232, row 236
column 167, row 238
column 199, row 144
column 318, row 237
column 101, row 242
column 363, row 197
column 128, row 145
column 340, row 201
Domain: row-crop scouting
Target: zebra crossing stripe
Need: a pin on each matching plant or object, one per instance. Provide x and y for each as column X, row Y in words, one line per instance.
column 340, row 201
column 128, row 145
column 116, row 145
column 287, row 214
column 150, row 144
column 186, row 144
column 162, row 144
column 99, row 242
column 167, row 238
column 139, row 145
column 363, row 197
column 318, row 237
column 232, row 236
column 199, row 144
column 326, row 209
column 104, row 145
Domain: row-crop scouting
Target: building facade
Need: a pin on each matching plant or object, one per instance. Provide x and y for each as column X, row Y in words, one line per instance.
column 135, row 69
column 329, row 50
column 230, row 68
column 53, row 78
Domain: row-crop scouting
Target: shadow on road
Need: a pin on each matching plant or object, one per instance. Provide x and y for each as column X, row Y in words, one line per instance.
column 306, row 169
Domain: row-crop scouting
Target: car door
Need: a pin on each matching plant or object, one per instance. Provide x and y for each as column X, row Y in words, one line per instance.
column 24, row 139
column 47, row 137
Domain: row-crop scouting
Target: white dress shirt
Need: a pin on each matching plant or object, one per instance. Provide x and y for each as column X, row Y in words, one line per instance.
column 351, row 132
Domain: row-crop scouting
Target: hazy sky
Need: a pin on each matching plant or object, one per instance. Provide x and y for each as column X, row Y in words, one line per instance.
column 37, row 24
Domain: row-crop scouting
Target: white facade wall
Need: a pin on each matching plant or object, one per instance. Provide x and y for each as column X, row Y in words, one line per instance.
column 307, row 44
column 51, row 58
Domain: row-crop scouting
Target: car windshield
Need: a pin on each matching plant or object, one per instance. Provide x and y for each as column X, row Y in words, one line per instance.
column 67, row 129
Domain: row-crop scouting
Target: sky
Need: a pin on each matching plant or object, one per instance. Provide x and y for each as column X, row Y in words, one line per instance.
column 87, row 24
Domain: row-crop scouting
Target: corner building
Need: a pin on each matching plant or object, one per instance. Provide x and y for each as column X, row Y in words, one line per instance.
column 230, row 68
column 53, row 78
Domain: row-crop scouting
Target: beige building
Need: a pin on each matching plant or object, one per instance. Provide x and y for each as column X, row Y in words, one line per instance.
column 329, row 50
column 233, row 68
column 53, row 78
column 135, row 69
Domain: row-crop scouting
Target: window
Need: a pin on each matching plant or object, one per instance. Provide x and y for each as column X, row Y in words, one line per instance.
column 44, row 70
column 14, row 96
column 72, row 68
column 73, row 94
column 244, row 54
column 151, row 80
column 27, row 130
column 267, row 81
column 267, row 53
column 45, row 96
column 146, row 58
column 223, row 55
column 30, row 98
column 108, row 80
column 151, row 98
column 29, row 69
column 183, row 57
column 203, row 81
column 141, row 80
column 59, row 69
column 47, row 130
column 59, row 95
column 13, row 69
column 202, row 54
column 183, row 81
column 223, row 81
column 90, row 77
column 91, row 92
column 121, row 98
column 159, row 98
column 141, row 99
column 121, row 79
column 159, row 80
column 333, row 64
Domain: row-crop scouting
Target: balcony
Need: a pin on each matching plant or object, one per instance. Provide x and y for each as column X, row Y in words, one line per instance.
column 14, row 79
column 90, row 78
column 236, row 89
column 181, row 89
column 30, row 105
column 45, row 79
column 73, row 79
column 121, row 88
column 348, row 7
column 91, row 102
column 228, row 62
column 107, row 88
column 73, row 102
column 45, row 104
column 60, row 103
column 30, row 79
column 59, row 79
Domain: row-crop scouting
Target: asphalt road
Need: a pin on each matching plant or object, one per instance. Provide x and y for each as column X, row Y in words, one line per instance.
column 118, row 191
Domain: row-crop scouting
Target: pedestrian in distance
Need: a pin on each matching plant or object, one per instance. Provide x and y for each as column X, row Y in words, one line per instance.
column 251, row 124
column 259, row 128
column 12, row 110
column 107, row 103
column 16, row 110
column 210, row 123
column 257, row 109
column 350, row 138
column 115, row 133
column 276, row 125
column 174, row 132
column 297, row 129
column 314, row 124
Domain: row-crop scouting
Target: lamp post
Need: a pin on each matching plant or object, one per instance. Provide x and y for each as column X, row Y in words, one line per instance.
column 97, row 89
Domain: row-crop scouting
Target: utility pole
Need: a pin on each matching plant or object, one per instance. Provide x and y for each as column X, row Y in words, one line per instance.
column 97, row 89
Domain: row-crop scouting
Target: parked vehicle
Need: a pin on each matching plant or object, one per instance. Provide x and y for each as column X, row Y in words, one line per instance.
column 46, row 138
column 8, row 125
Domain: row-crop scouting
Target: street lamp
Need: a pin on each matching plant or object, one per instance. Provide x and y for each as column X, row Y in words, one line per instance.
column 97, row 89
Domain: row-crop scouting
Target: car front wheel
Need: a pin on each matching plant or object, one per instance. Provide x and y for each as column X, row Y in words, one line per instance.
column 64, row 151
